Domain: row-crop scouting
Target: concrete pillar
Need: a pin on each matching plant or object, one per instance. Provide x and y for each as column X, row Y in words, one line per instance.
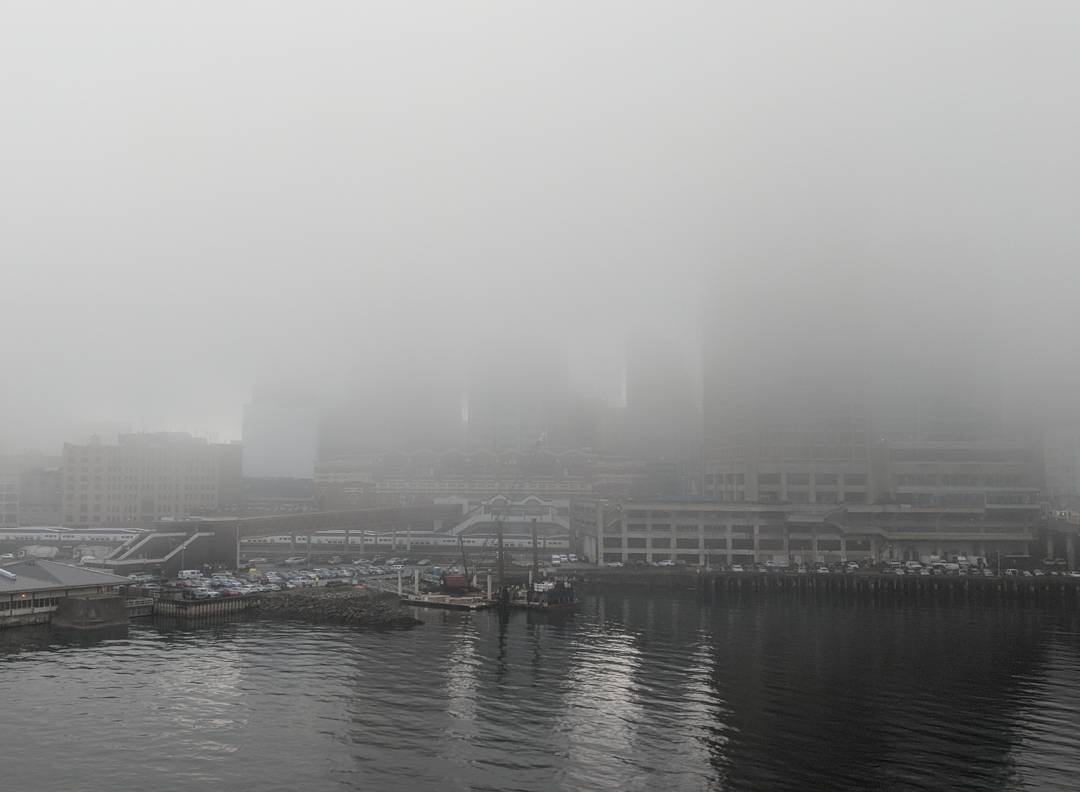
column 400, row 588
column 1070, row 550
column 416, row 581
column 843, row 547
column 814, row 547
column 1049, row 544
column 489, row 585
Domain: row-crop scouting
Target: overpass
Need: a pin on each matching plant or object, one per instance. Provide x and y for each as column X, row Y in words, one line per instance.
column 180, row 544
column 380, row 519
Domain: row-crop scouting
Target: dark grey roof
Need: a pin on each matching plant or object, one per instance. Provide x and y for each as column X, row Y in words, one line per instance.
column 40, row 575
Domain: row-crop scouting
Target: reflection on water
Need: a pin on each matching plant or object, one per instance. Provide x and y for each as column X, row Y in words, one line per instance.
column 630, row 693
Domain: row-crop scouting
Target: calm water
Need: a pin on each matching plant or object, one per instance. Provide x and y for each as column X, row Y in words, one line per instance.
column 632, row 693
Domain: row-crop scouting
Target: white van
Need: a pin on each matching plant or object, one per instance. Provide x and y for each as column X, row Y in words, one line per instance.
column 188, row 574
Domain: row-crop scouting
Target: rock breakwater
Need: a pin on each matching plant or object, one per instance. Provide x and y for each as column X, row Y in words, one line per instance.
column 355, row 607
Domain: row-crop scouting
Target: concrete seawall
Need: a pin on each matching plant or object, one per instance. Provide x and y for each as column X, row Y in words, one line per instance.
column 1049, row 590
column 90, row 612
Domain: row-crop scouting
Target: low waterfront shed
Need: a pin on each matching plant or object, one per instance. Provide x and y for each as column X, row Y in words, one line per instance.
column 30, row 589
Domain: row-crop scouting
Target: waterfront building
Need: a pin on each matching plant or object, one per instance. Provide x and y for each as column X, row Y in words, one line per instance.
column 704, row 532
column 379, row 479
column 1061, row 457
column 148, row 477
column 518, row 518
column 31, row 589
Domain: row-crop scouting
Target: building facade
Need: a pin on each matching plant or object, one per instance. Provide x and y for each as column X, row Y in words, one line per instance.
column 705, row 533
column 9, row 501
column 148, row 477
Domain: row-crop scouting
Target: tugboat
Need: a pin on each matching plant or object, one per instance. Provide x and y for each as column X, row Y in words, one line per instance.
column 548, row 596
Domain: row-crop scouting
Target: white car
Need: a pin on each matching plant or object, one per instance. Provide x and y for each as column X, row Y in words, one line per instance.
column 736, row 568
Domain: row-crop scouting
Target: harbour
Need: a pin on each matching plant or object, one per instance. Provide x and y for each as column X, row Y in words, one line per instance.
column 633, row 687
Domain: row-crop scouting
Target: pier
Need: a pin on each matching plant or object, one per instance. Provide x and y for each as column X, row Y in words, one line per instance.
column 202, row 609
column 868, row 587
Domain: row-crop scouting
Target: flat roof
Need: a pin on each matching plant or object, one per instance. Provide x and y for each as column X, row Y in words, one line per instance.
column 41, row 575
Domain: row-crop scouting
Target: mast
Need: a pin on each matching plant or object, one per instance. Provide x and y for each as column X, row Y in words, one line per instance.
column 501, row 568
column 535, row 557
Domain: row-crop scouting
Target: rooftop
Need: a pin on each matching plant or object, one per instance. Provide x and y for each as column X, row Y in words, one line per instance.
column 41, row 575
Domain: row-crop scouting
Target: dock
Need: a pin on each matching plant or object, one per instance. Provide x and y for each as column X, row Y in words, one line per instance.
column 446, row 602
column 863, row 586
column 201, row 609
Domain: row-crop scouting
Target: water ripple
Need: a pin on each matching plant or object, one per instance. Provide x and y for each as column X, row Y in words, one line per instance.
column 631, row 693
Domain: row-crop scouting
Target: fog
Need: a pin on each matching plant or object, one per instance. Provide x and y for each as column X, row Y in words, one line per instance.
column 375, row 199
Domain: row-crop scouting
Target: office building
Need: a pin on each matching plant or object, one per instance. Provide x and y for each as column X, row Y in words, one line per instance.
column 148, row 477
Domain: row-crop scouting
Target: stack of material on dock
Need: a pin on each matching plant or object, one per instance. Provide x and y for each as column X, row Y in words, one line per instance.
column 360, row 608
column 447, row 602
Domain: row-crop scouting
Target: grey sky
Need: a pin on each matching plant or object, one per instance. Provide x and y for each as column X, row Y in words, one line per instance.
column 197, row 193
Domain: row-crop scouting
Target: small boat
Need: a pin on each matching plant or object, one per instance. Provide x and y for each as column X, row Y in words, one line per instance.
column 548, row 595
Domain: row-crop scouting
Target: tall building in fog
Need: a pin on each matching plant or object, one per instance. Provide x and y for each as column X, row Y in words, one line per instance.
column 148, row 477
column 399, row 405
column 519, row 400
column 9, row 501
column 662, row 419
column 280, row 435
column 30, row 489
column 785, row 410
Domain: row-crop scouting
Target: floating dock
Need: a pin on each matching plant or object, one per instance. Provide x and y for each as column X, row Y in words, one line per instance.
column 446, row 602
